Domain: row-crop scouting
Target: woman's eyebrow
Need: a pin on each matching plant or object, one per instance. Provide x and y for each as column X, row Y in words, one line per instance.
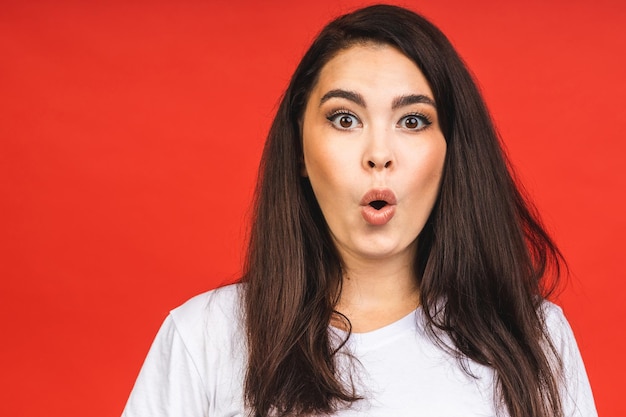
column 348, row 95
column 398, row 102
column 412, row 99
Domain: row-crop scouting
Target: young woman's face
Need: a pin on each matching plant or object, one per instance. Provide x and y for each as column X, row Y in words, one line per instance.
column 373, row 151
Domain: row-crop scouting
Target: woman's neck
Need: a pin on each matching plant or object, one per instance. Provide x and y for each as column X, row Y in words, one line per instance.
column 377, row 292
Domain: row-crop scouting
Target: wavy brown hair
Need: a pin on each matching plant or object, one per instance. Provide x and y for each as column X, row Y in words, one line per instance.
column 484, row 262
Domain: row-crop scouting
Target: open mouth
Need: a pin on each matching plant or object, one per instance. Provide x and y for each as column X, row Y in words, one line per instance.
column 378, row 204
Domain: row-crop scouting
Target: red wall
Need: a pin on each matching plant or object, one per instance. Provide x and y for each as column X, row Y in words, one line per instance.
column 129, row 137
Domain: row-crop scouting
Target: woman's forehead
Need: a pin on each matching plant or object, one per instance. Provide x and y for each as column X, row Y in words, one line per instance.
column 376, row 70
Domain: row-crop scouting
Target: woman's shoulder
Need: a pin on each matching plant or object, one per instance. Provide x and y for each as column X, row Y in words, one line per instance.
column 577, row 396
column 552, row 312
column 195, row 361
column 213, row 314
column 555, row 322
column 556, row 326
column 219, row 300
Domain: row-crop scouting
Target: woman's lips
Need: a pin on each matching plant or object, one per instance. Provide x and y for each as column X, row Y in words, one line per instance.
column 378, row 206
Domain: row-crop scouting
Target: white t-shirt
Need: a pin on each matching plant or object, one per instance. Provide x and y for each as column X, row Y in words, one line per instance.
column 196, row 368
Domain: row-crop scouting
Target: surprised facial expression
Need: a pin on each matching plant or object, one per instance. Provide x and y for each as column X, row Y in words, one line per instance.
column 373, row 151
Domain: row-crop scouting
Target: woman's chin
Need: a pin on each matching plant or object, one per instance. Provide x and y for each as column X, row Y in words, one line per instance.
column 378, row 249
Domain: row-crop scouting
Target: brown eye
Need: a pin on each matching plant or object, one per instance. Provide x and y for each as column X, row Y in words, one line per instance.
column 414, row 122
column 411, row 122
column 344, row 121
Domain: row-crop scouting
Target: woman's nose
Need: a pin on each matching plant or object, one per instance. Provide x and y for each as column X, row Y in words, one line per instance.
column 373, row 164
column 379, row 154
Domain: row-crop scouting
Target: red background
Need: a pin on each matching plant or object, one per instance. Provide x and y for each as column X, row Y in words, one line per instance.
column 130, row 133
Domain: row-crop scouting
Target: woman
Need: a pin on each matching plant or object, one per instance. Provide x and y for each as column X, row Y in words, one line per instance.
column 394, row 268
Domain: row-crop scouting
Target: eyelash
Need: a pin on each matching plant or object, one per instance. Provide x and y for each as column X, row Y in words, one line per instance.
column 332, row 117
column 423, row 118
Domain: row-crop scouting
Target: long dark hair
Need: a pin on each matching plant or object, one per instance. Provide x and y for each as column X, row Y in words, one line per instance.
column 484, row 262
